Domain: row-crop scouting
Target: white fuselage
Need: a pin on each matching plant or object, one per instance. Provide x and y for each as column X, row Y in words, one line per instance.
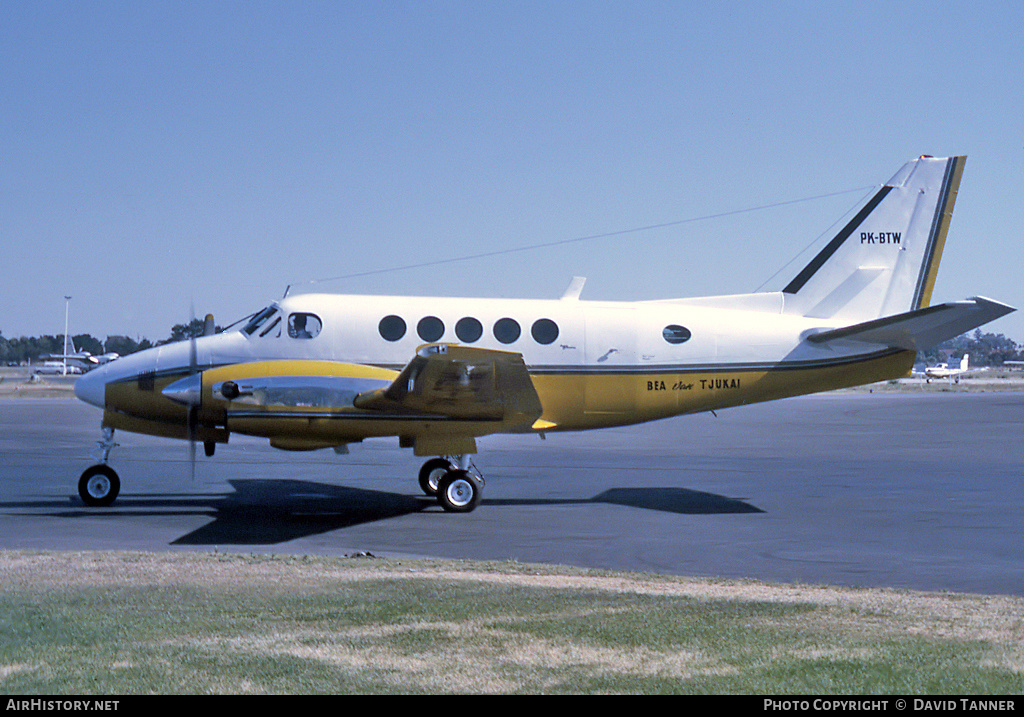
column 592, row 363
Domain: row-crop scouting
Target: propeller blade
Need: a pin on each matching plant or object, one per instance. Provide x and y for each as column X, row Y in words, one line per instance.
column 192, row 359
column 192, row 420
column 192, row 411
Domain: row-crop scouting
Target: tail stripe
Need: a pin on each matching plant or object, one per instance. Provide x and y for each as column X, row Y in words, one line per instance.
column 937, row 237
column 804, row 276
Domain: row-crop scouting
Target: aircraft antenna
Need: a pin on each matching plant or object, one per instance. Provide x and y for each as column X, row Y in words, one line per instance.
column 816, row 239
column 589, row 237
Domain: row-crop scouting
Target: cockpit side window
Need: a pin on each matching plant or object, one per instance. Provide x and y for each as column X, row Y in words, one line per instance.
column 258, row 320
column 304, row 326
column 271, row 326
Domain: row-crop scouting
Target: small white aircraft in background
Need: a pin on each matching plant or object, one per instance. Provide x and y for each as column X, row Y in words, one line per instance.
column 944, row 370
column 82, row 361
column 321, row 371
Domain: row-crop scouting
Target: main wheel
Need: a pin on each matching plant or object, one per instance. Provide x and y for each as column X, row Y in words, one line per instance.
column 458, row 491
column 431, row 474
column 99, row 485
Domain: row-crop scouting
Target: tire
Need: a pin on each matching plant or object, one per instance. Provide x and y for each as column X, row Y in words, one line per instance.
column 99, row 485
column 431, row 474
column 458, row 491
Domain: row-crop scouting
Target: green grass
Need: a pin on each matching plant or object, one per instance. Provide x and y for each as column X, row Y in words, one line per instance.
column 124, row 623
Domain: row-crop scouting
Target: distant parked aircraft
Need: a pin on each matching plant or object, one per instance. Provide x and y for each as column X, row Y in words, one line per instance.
column 943, row 370
column 81, row 361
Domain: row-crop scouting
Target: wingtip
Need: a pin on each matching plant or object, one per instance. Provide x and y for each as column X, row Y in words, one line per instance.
column 993, row 305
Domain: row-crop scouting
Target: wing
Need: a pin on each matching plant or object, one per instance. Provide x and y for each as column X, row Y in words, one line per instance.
column 460, row 382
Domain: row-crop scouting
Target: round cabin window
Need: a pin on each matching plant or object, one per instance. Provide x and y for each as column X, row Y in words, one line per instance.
column 392, row 328
column 506, row 330
column 430, row 328
column 544, row 331
column 469, row 329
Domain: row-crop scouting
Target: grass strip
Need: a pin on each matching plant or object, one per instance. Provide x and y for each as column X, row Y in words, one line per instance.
column 191, row 623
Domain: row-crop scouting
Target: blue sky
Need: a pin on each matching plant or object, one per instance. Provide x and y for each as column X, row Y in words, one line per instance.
column 162, row 155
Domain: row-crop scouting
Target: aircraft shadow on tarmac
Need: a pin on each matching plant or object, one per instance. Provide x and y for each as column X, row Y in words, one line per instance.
column 267, row 512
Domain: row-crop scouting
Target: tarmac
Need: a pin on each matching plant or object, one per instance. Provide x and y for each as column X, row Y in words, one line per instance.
column 901, row 485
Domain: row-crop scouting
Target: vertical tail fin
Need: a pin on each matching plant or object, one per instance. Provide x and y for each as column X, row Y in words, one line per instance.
column 884, row 261
column 964, row 361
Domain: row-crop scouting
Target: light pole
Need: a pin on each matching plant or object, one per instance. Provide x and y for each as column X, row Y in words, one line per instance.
column 67, row 304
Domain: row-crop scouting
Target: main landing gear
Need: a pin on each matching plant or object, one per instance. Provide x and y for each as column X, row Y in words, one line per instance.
column 454, row 481
column 99, row 484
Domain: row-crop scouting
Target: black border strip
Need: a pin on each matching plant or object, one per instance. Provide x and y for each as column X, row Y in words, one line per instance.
column 936, row 229
column 804, row 276
column 716, row 367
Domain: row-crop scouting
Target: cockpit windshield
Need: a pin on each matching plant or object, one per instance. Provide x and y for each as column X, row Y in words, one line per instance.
column 261, row 319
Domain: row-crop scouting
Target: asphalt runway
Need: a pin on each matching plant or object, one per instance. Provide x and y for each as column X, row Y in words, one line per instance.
column 905, row 490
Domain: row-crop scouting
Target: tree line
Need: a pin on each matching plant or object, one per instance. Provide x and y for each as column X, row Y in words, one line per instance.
column 984, row 349
column 29, row 349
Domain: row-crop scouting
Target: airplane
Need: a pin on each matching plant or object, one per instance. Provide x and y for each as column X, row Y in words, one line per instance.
column 321, row 371
column 80, row 360
column 943, row 370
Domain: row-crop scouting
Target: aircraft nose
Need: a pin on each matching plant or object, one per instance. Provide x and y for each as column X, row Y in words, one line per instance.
column 91, row 388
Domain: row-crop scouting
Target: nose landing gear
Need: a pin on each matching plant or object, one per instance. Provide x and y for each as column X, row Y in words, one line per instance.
column 99, row 484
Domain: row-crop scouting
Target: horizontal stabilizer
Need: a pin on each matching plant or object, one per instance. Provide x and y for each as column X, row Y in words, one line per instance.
column 921, row 329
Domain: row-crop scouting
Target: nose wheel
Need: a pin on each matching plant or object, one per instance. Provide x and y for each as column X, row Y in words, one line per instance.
column 99, row 485
column 454, row 481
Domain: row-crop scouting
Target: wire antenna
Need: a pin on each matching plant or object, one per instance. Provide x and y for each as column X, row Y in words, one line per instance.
column 816, row 239
column 589, row 237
